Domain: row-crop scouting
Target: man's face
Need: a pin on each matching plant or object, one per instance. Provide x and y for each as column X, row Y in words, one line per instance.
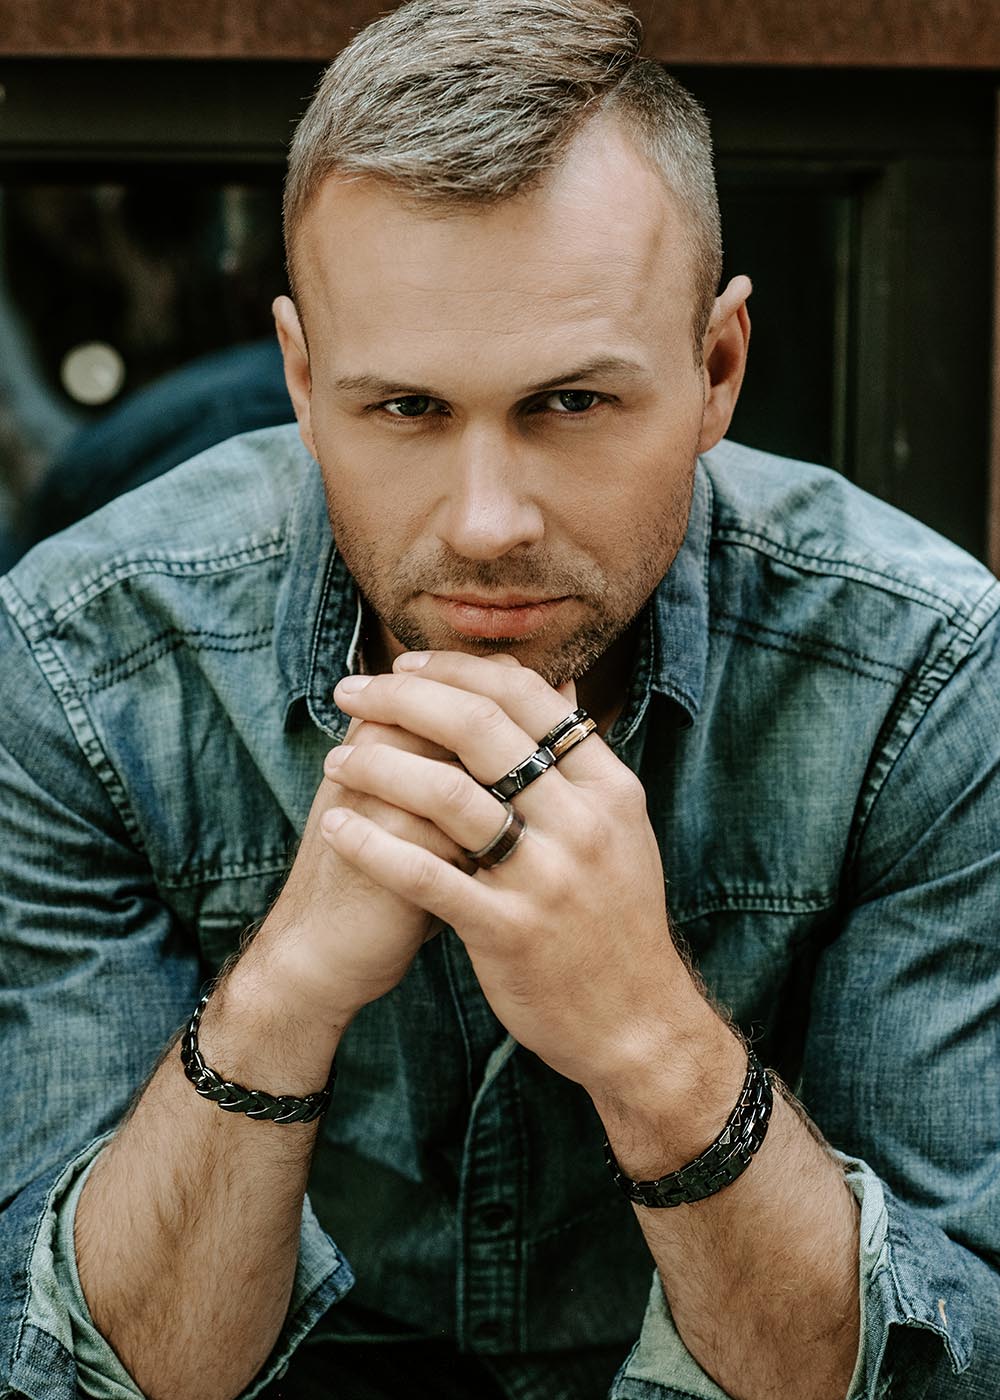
column 505, row 405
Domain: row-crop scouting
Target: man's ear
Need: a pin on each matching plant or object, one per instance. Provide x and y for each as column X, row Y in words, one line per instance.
column 298, row 379
column 725, row 357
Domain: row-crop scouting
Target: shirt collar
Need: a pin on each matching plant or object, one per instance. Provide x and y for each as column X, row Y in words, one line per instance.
column 318, row 619
column 680, row 610
column 318, row 614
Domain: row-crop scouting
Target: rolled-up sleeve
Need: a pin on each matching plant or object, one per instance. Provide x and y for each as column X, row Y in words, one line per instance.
column 61, row 1353
column 902, row 1061
column 96, row 978
column 901, row 1066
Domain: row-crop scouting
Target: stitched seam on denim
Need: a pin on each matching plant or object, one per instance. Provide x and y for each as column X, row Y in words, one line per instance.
column 270, row 547
column 323, row 633
column 168, row 641
column 275, row 863
column 902, row 725
column 817, row 656
column 17, row 1360
column 20, row 609
column 849, row 568
column 520, row 1289
column 817, row 644
column 641, row 681
column 637, row 1388
column 745, row 901
column 958, row 1357
column 449, row 969
column 75, row 712
column 23, row 1323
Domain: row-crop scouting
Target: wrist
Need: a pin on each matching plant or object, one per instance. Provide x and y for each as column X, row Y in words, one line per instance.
column 284, row 974
column 670, row 1100
column 255, row 1030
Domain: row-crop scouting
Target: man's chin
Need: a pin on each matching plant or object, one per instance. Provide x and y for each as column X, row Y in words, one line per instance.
column 556, row 661
column 557, row 656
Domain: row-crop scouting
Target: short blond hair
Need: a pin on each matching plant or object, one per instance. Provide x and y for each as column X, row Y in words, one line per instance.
column 459, row 103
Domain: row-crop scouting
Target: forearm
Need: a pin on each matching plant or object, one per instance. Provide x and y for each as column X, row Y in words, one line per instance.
column 761, row 1278
column 187, row 1230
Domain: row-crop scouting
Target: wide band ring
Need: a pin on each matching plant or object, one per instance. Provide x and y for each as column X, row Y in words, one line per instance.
column 524, row 773
column 503, row 843
column 567, row 734
column 551, row 748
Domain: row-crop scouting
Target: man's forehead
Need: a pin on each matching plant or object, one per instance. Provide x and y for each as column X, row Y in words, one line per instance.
column 603, row 224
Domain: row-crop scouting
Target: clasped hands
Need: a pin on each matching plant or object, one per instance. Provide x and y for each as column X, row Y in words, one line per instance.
column 569, row 937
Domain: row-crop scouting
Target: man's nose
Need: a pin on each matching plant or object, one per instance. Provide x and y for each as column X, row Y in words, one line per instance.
column 491, row 507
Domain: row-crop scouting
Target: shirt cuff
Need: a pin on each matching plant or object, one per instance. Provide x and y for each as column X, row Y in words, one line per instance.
column 660, row 1365
column 58, row 1308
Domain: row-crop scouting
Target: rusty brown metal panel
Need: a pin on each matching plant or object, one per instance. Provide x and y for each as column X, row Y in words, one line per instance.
column 846, row 33
column 182, row 28
column 862, row 33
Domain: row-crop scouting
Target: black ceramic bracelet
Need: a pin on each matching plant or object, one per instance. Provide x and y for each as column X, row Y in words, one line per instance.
column 719, row 1165
column 254, row 1103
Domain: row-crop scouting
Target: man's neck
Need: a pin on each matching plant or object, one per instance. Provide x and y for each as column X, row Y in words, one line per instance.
column 603, row 690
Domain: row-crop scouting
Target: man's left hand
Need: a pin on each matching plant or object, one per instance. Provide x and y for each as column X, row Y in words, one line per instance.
column 569, row 937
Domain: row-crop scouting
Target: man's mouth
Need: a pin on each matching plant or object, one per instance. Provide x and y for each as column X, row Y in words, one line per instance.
column 507, row 615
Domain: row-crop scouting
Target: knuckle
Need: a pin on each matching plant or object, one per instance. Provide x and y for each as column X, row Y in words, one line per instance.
column 629, row 791
column 526, row 685
column 457, row 789
column 362, row 839
column 421, row 874
column 485, row 717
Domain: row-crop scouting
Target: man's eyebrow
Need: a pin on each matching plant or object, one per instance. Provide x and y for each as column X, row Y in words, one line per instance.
column 375, row 387
column 605, row 366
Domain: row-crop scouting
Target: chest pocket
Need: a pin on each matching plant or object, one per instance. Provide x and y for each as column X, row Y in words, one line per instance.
column 218, row 913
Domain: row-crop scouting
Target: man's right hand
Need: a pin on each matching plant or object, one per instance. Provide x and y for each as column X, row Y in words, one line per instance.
column 333, row 938
column 185, row 1191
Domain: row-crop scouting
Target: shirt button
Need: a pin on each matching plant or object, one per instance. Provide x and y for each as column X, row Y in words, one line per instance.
column 496, row 1215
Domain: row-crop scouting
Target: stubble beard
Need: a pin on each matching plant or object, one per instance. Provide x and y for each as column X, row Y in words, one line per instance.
column 611, row 604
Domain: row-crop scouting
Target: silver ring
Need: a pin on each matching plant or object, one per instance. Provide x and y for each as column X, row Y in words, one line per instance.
column 504, row 843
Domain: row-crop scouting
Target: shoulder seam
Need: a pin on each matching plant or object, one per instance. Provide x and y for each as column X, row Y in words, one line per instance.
column 948, row 607
column 270, row 546
column 79, row 722
column 915, row 700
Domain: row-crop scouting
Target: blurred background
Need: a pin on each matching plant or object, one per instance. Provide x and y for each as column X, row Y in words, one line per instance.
column 142, row 151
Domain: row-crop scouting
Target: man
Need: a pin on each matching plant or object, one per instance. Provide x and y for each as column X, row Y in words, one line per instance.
column 508, row 360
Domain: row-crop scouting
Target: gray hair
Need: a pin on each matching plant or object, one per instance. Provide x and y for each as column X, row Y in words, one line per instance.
column 463, row 103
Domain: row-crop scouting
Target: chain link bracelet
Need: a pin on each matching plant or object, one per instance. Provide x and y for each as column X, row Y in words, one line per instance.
column 254, row 1103
column 719, row 1165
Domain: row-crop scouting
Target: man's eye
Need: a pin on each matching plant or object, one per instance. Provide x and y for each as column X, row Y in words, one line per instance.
column 572, row 401
column 412, row 406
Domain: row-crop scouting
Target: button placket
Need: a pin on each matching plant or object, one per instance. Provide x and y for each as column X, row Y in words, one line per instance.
column 490, row 1277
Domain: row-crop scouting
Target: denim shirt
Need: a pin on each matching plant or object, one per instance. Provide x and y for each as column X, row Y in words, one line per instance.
column 815, row 716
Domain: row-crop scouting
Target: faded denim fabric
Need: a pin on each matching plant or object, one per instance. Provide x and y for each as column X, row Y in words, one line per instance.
column 815, row 715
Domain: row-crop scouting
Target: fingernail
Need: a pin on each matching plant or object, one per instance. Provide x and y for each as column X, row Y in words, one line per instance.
column 352, row 683
column 338, row 755
column 334, row 818
column 411, row 660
